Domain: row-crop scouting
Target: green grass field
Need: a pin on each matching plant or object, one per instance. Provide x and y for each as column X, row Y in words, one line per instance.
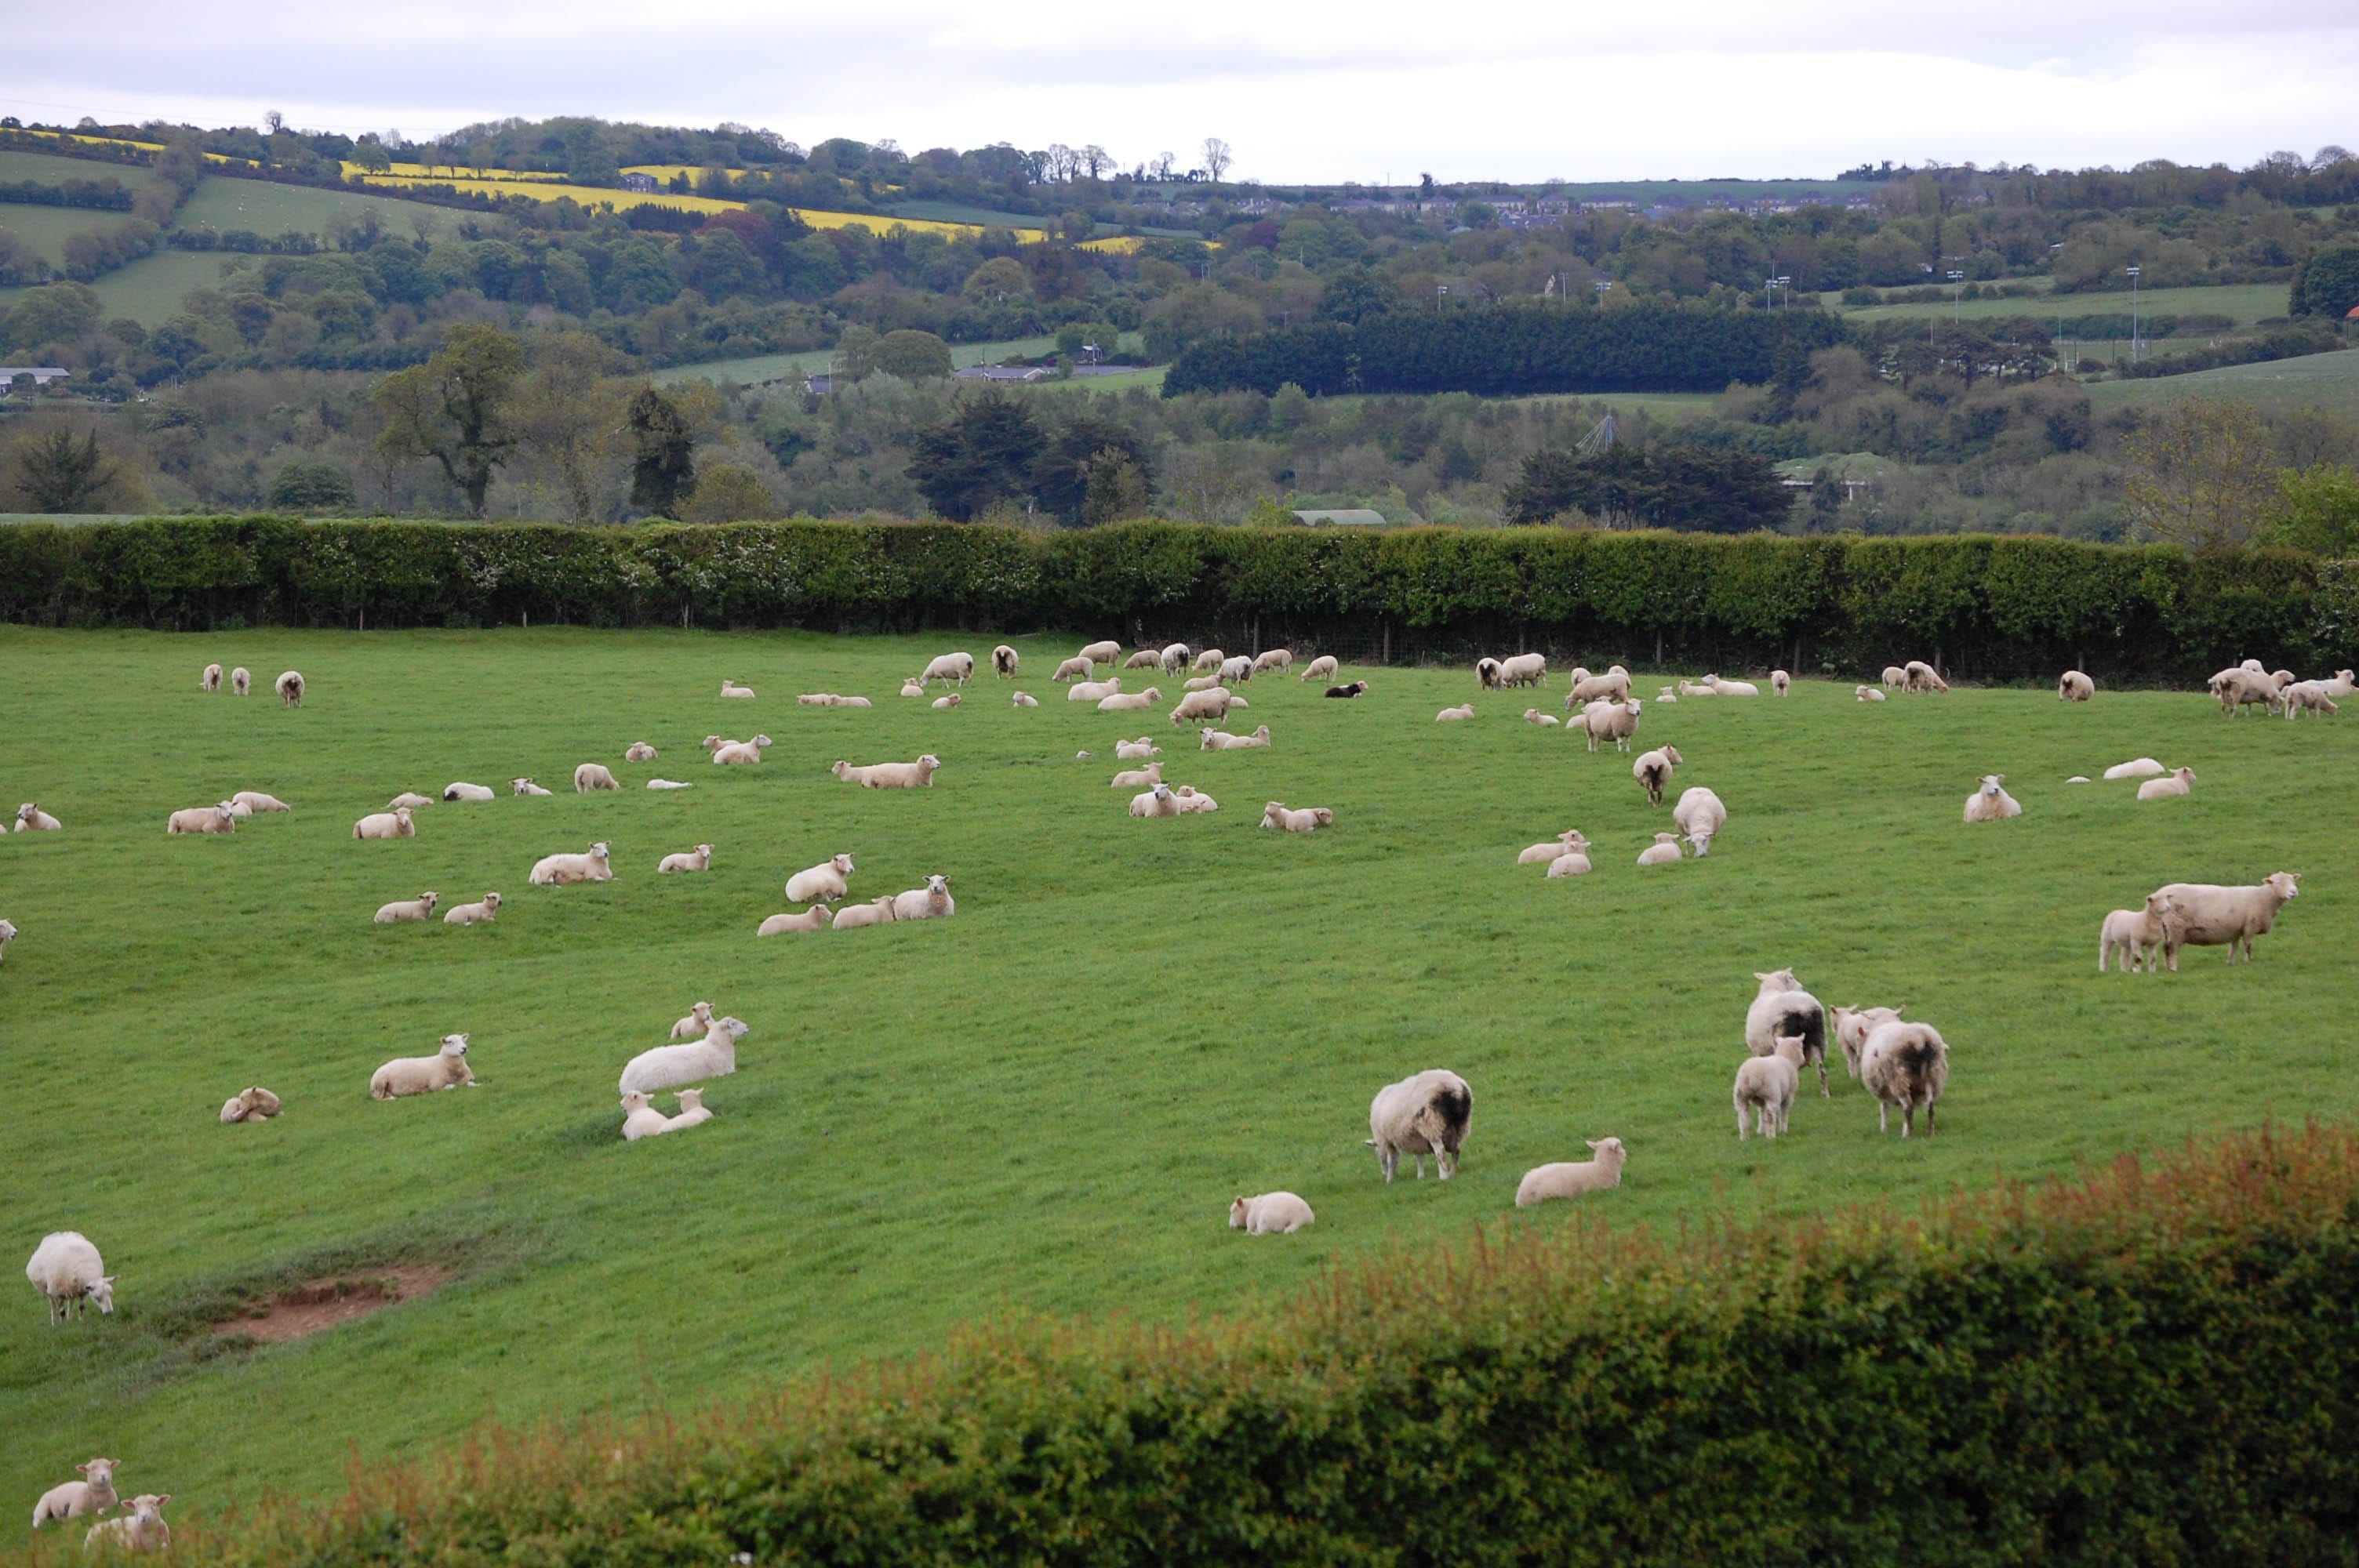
column 19, row 165
column 151, row 289
column 2329, row 381
column 2242, row 303
column 44, row 230
column 268, row 208
column 757, row 369
column 1047, row 1102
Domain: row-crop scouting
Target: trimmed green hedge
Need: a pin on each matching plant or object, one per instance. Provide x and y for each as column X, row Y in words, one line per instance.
column 1985, row 606
column 2158, row 1366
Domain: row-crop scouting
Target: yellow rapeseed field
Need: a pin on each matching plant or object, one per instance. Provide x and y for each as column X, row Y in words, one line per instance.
column 442, row 173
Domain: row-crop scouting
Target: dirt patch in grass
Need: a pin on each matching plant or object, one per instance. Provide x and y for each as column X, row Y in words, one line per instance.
column 317, row 1305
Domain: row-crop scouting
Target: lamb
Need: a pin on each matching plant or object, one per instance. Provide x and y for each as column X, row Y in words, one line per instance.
column 94, row 1494
column 641, row 1119
column 1157, row 802
column 2205, row 915
column 1668, row 694
column 1922, row 678
column 31, row 818
column 1194, row 801
column 462, row 790
column 254, row 800
column 593, row 865
column 418, row 908
column 1906, row 1064
column 1766, row 1084
column 1201, row 683
column 480, row 912
column 932, row 902
column 1653, row 771
column 815, row 918
column 1868, row 693
column 1222, row 740
column 1210, row 659
column 1237, row 671
column 913, row 686
column 1539, row 854
column 410, row 798
column 1273, row 659
column 1199, row 705
column 2074, row 687
column 2343, row 684
column 1731, row 688
column 221, row 818
column 919, row 775
column 1092, row 690
column 1690, row 688
column 877, row 911
column 1699, row 816
column 638, row 751
column 1615, row 721
column 446, row 1069
column 2136, row 934
column 2307, row 696
column 730, row 688
column 1323, row 667
column 1425, row 1113
column 1349, row 690
column 1571, row 1178
column 525, row 786
column 1533, row 716
column 669, row 784
column 1524, row 669
column 2178, row 781
column 1133, row 750
column 1025, row 700
column 2142, row 768
column 1573, row 860
column 1308, row 820
column 210, row 679
column 241, row 680
column 696, row 1025
column 1607, row 687
column 1270, row 1214
column 1174, row 658
column 670, row 1066
column 290, row 687
column 141, row 1530
column 1782, row 1007
column 592, row 776
column 253, row 1103
column 1894, row 677
column 1854, row 1025
column 1779, row 682
column 1991, row 803
column 1663, row 852
column 66, row 1268
column 1074, row 668
column 1145, row 659
column 1130, row 701
column 949, row 701
column 827, row 882
column 1457, row 715
column 1146, row 778
column 8, row 935
column 736, row 753
column 691, row 1111
column 697, row 859
column 1004, row 661
column 959, row 667
column 393, row 824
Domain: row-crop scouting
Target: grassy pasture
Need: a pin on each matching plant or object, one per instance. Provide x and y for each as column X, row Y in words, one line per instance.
column 151, row 289
column 1047, row 1102
column 45, row 229
column 2329, row 381
column 19, row 165
column 269, row 209
column 2241, row 303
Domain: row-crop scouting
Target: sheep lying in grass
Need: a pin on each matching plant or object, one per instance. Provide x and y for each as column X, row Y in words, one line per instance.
column 94, row 1494
column 1270, row 1214
column 1425, row 1113
column 919, row 775
column 592, row 776
column 815, row 918
column 2179, row 781
column 140, row 1527
column 67, row 1268
column 410, row 799
column 1571, row 1178
column 1146, row 778
column 877, row 911
column 1137, row 750
column 730, row 688
column 1458, row 715
column 1092, row 690
column 1766, row 1084
column 525, row 786
column 480, row 912
column 1731, row 688
column 1323, row 667
column 1194, row 801
column 290, row 687
column 1700, row 816
column 222, row 818
column 1309, row 819
column 913, row 686
column 2136, row 934
column 638, row 751
column 418, row 908
column 1653, row 771
column 740, row 753
column 31, row 818
column 1024, row 699
column 395, row 824
column 1690, row 688
column 669, row 784
column 826, row 883
column 1782, row 1007
column 446, row 1069
column 211, row 680
column 1201, row 683
column 2140, row 768
column 696, row 1025
column 241, row 680
column 254, row 800
column 697, row 859
column 691, row 1111
column 952, row 700
column 2206, row 914
column 670, row 1066
column 593, row 865
column 1157, row 802
column 8, row 935
column 253, row 1103
column 1867, row 692
column 1991, row 803
column 2074, row 687
column 1222, row 740
column 1572, row 862
column 641, row 1119
column 1905, row 1064
column 932, row 902
column 462, row 790
column 1545, row 720
column 1663, row 852
column 1130, row 701
column 1541, row 853
column 1349, row 690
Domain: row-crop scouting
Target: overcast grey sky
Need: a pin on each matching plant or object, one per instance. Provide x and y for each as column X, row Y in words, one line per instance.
column 1316, row 90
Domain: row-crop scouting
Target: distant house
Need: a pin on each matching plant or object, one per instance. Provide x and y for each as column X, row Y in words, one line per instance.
column 1003, row 372
column 42, row 374
column 643, row 183
column 1342, row 517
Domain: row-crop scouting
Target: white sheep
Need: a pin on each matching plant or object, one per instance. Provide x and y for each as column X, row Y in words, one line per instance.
column 590, row 776
column 1533, row 716
column 1653, row 771
column 1145, row 659
column 1906, row 1064
column 1103, row 652
column 670, row 1066
column 1457, row 715
column 1273, row 659
column 1571, row 1178
column 1323, row 667
column 1486, row 674
column 1211, row 704
column 141, row 1528
column 669, row 784
column 480, row 912
column 1663, row 852
column 241, row 680
column 697, row 859
column 1991, row 803
column 1922, row 678
column 932, row 902
column 1129, row 701
column 826, row 883
column 1690, row 688
column 1782, row 1007
column 446, row 1069
column 919, row 775
column 1074, row 668
column 1146, row 778
column 411, row 799
column 730, row 688
column 1173, row 658
column 2240, row 689
column 638, row 751
column 1222, row 740
column 1157, row 802
column 2074, row 687
column 1193, row 800
column 1004, row 661
column 525, row 786
column 211, row 680
column 254, row 800
column 815, row 918
column 1425, row 1113
column 691, row 1111
column 253, row 1103
column 1572, row 862
column 740, row 753
column 959, row 667
column 94, row 1494
column 594, row 864
column 1135, row 751
column 1766, row 1086
column 1853, row 1025
column 290, row 687
column 952, row 700
column 1608, row 687
column 2140, row 768
column 2206, row 914
column 696, row 1025
column 31, row 818
column 913, row 686
column 1270, row 1214
column 1201, row 683
column 875, row 912
column 1780, row 682
column 1731, row 688
column 8, row 935
column 1309, row 819
column 2308, row 696
column 1237, row 671
column 1699, row 816
column 462, row 790
column 1524, row 669
column 1615, row 721
column 1668, row 694
column 1868, row 693
column 2136, row 934
column 1210, row 659
column 641, row 1119
column 418, row 908
column 67, row 1268
column 1024, row 699
column 1540, row 854
column 221, row 818
column 2179, row 781
column 1894, row 677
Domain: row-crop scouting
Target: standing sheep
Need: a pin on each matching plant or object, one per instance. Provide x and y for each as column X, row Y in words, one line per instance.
column 697, row 859
column 1174, row 658
column 1653, row 771
column 592, row 776
column 2206, row 914
column 1145, row 659
column 593, row 865
column 1615, row 721
column 290, row 688
column 1524, row 669
column 2137, row 934
column 241, row 680
column 1700, row 816
column 1906, row 1064
column 67, row 1268
column 670, row 1066
column 1425, row 1113
column 1199, row 706
column 94, row 1494
column 1766, row 1084
column 211, row 680
column 477, row 913
column 1991, row 803
column 140, row 1528
column 1854, row 1025
column 1610, row 686
column 959, row 667
column 696, row 1025
column 1923, row 678
column 1104, row 653
column 1486, row 673
column 1571, row 1178
column 221, row 818
column 1780, row 682
column 1210, row 659
column 31, row 818
column 1271, row 659
column 446, row 1069
column 418, row 908
column 1074, row 668
column 1782, row 1007
column 1323, row 667
column 1270, row 1214
column 1004, row 662
column 2074, row 687
column 1237, row 671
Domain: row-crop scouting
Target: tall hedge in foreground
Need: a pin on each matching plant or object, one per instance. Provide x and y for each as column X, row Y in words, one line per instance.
column 1983, row 606
column 2158, row 1366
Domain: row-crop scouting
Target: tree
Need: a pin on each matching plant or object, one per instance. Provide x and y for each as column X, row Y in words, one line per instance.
column 306, row 487
column 456, row 408
column 996, row 281
column 59, row 474
column 2317, row 509
column 663, row 454
column 2326, row 281
column 1217, row 159
column 1116, row 487
column 983, row 453
column 2201, row 474
column 569, row 415
column 728, row 492
column 911, row 355
column 1084, row 453
column 1678, row 487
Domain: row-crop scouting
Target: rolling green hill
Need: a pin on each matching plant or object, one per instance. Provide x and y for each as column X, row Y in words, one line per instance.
column 2329, row 381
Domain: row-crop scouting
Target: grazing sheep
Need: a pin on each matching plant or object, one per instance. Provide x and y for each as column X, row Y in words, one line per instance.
column 1130, row 701
column 1074, row 668
column 1145, row 659
column 1323, row 667
column 593, row 865
column 1653, row 771
column 1868, row 693
column 1270, row 1214
column 919, row 775
column 1025, row 700
column 1210, row 659
column 949, row 701
column 1308, row 820
column 1102, row 653
column 1133, row 751
column 1607, row 687
column 222, row 818
column 2074, row 687
column 446, row 1069
column 696, row 1025
column 1615, row 721
column 1004, row 660
column 211, row 678
column 913, row 688
column 1198, row 706
column 254, row 800
column 1194, row 801
column 1222, row 740
column 697, row 859
column 1174, row 658
column 1731, row 688
column 2142, row 768
column 2180, row 781
column 1273, row 659
column 1533, row 716
column 2307, row 696
column 875, row 912
column 737, row 754
column 1539, row 854
column 1350, row 688
column 290, row 687
column 1991, row 803
column 2240, row 689
column 94, row 1494
column 1699, row 816
column 932, row 902
column 1766, row 1084
column 827, row 882
column 638, row 751
column 959, row 667
column 1425, row 1113
column 1237, row 671
column 67, row 1268
column 1854, row 1025
column 1922, row 678
column 1486, row 673
column 2136, row 934
column 481, row 913
column 1906, row 1064
column 641, row 1119
column 411, row 799
column 140, row 1528
column 1663, row 852
column 253, row 1103
column 241, row 680
column 1524, row 669
column 462, row 790
column 1092, row 690
column 31, row 818
column 815, row 918
column 1457, row 715
column 1894, row 677
column 1782, row 1007
column 691, row 1111
column 8, row 935
column 1571, row 1178
column 592, row 776
column 418, row 908
column 730, row 688
column 670, row 1066
column 1146, row 778
column 1779, row 682
column 2205, row 915
column 395, row 824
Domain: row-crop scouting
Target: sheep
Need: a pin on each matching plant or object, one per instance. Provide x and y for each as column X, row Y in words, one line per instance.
column 1210, row 659
column 1173, row 658
column 2240, row 689
column 525, row 786
column 1894, row 677
column 1425, row 1113
column 2078, row 778
column 1663, row 852
column 1653, row 771
column 1486, row 673
column 221, row 818
column 1572, row 862
column 593, row 865
column 1004, row 661
column 254, row 800
column 2137, row 934
column 1222, row 740
column 2205, row 915
column 1868, row 693
column 815, row 918
column 1779, row 682
column 2307, row 695
column 1133, row 750
column 1991, row 803
column 2141, row 767
column 932, row 902
column 1699, row 816
column 1731, row 688
column 94, row 1494
column 1922, row 678
column 669, row 784
column 240, row 812
column 641, row 1119
column 592, row 776
column 949, row 701
column 913, row 686
column 1199, row 705
column 1074, row 668
column 410, row 798
column 1145, row 659
column 1854, row 1025
column 1782, row 1007
column 1690, row 688
column 1273, row 659
column 827, row 882
column 8, row 935
column 2180, row 781
column 1025, row 700
column 1906, row 1064
column 395, row 824
column 1615, row 721
column 1308, row 820
column 696, row 1025
column 1130, row 701
column 1323, row 667
column 2343, row 683
column 1146, row 778
column 638, row 751
column 290, row 687
column 142, row 1529
column 739, row 753
column 210, row 679
column 1092, row 690
column 1270, row 1214
column 1100, row 652
column 730, row 688
column 1200, row 682
column 446, row 1069
column 1524, row 669
column 418, row 908
column 919, row 775
column 1571, row 1178
column 2074, row 687
column 670, row 1066
column 691, row 1111
column 1533, row 716
column 67, row 1268
column 253, row 1103
column 241, row 680
column 2254, row 666
column 1539, row 854
column 697, row 859
column 1194, row 801
column 480, row 912
column 1607, row 687
column 1157, row 801
column 875, row 912
column 462, row 790
column 1349, row 690
column 1237, row 671
column 1457, row 715
column 31, row 818
column 1766, row 1084
column 959, row 667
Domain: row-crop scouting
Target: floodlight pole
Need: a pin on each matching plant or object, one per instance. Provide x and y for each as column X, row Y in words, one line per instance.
column 2134, row 273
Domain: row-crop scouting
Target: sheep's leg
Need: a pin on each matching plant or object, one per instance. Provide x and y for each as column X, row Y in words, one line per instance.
column 1929, row 1119
column 1390, row 1157
column 1742, row 1131
column 1882, row 1110
column 1824, row 1092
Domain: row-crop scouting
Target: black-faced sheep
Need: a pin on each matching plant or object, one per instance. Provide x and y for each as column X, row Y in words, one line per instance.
column 1425, row 1113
